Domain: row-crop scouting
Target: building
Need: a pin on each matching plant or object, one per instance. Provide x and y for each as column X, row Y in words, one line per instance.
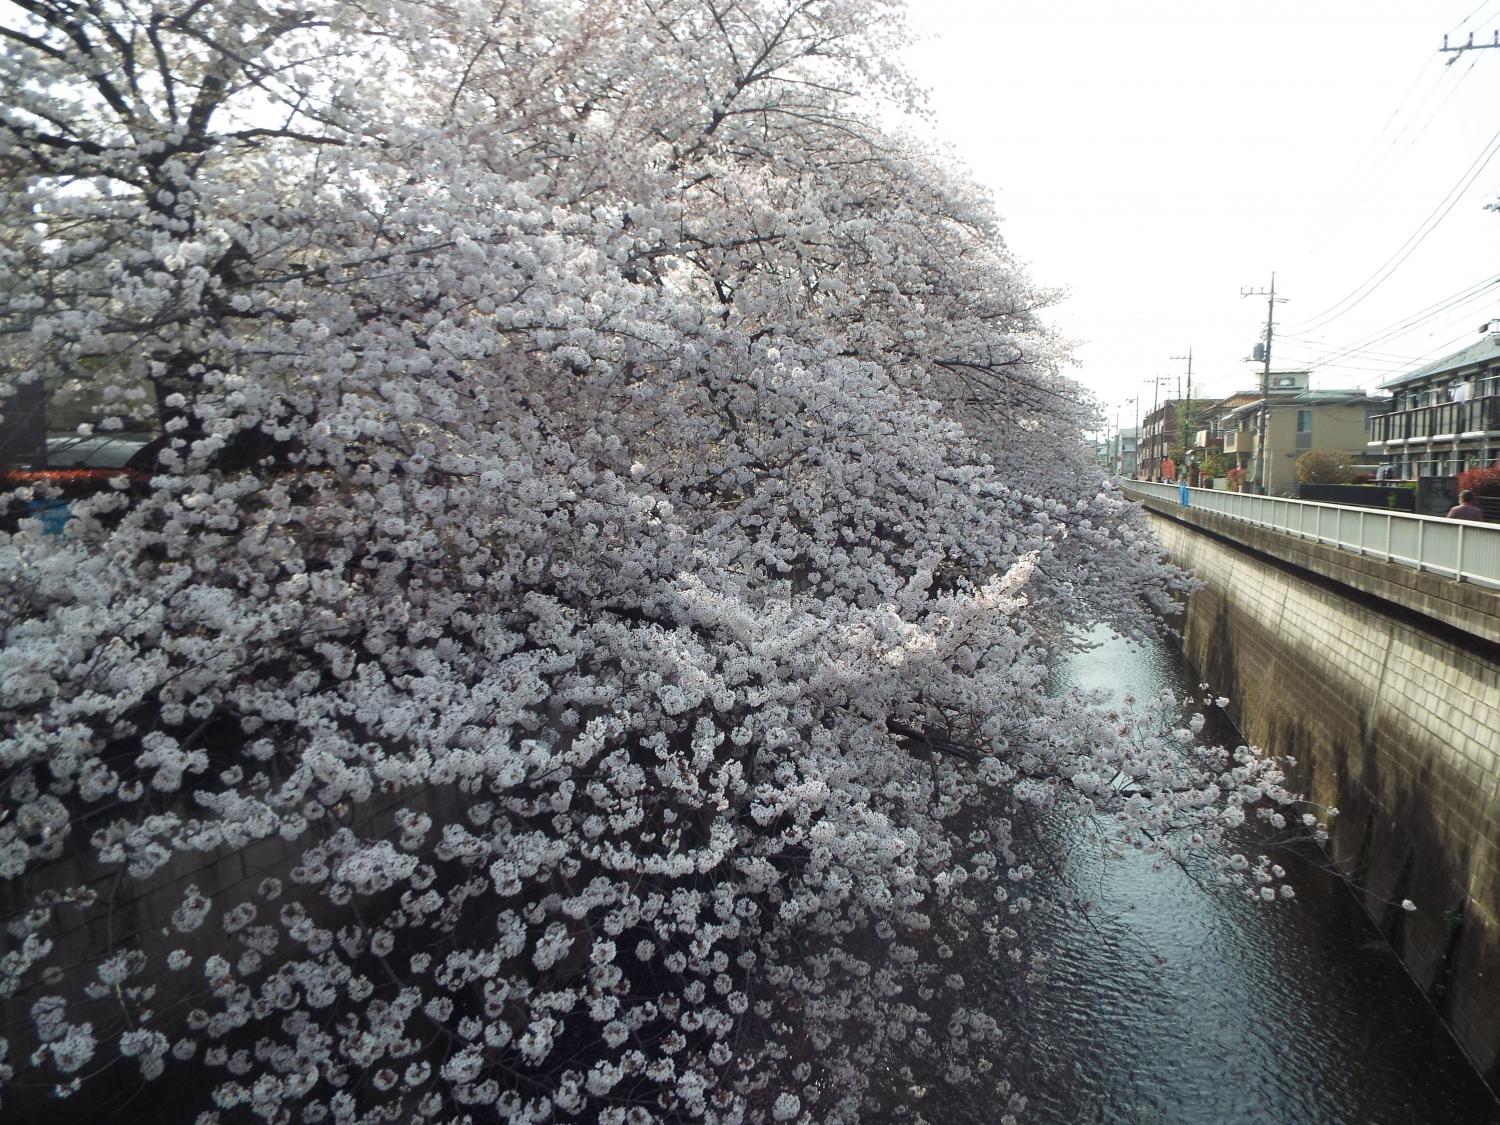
column 1442, row 417
column 1122, row 453
column 1171, row 427
column 1298, row 419
column 1210, row 435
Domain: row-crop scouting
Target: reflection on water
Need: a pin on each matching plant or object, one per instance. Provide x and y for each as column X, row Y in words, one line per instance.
column 1181, row 1006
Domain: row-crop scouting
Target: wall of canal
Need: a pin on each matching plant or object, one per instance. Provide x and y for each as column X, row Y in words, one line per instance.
column 1385, row 686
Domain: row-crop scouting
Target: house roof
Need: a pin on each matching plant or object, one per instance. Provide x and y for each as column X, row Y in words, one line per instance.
column 1305, row 399
column 1236, row 399
column 1253, row 394
column 1478, row 352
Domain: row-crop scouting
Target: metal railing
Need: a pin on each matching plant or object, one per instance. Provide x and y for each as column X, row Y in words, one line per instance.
column 1480, row 414
column 1463, row 550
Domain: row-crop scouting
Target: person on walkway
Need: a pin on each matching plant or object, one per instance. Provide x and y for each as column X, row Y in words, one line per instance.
column 1466, row 509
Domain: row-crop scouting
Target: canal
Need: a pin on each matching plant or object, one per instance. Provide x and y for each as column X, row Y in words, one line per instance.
column 1181, row 1006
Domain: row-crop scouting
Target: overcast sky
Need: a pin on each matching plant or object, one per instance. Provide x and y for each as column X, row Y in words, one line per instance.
column 1154, row 157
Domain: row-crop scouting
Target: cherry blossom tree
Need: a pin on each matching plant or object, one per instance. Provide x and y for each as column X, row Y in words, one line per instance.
column 581, row 650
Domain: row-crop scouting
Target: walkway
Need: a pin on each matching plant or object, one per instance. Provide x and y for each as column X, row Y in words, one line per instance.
column 1459, row 549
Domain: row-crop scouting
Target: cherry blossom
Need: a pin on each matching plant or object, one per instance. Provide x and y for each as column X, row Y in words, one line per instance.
column 580, row 645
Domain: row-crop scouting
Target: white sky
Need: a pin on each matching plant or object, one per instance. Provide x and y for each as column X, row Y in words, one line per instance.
column 1154, row 157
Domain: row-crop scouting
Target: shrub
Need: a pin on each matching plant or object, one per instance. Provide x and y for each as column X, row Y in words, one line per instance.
column 1484, row 482
column 1325, row 466
column 1215, row 464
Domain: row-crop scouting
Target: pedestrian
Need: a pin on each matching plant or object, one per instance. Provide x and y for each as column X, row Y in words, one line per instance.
column 1466, row 509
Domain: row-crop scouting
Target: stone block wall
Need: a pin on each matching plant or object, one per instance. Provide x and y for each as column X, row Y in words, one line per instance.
column 1394, row 718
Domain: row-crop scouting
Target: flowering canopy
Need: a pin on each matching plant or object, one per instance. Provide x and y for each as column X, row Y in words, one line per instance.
column 581, row 650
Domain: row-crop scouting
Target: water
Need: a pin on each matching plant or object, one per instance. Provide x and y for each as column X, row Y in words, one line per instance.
column 1183, row 1006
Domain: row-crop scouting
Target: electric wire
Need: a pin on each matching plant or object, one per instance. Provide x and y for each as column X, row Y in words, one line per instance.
column 1319, row 349
column 1422, row 71
column 1410, row 323
column 1461, row 294
column 1361, row 292
column 1432, row 356
column 1467, row 18
column 1405, row 326
column 1438, row 112
column 1364, row 174
column 1378, row 170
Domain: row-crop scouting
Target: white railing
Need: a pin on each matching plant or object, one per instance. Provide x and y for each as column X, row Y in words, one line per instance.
column 1460, row 549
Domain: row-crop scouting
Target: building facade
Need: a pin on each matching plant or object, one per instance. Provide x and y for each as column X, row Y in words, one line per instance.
column 1122, row 453
column 1172, row 426
column 1444, row 417
column 1298, row 420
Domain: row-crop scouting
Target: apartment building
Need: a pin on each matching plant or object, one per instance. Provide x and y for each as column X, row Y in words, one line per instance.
column 1444, row 416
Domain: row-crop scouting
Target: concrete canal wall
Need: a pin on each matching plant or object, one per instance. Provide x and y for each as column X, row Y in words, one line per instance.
column 1385, row 685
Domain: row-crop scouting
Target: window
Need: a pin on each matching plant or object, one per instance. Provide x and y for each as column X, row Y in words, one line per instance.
column 1304, row 421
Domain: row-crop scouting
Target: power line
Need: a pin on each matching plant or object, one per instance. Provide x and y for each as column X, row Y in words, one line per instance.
column 1353, row 369
column 1436, row 306
column 1312, row 362
column 1319, row 349
column 1392, row 157
column 1428, row 356
column 1437, row 352
column 1376, row 171
column 1354, row 359
column 1442, row 74
column 1467, row 18
column 1350, row 361
column 1400, row 104
column 1340, row 359
column 1406, row 324
column 1356, row 296
column 1446, row 346
column 1411, row 319
column 1438, row 112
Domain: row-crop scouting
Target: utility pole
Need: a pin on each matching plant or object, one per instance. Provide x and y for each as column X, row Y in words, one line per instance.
column 1135, row 453
column 1120, row 434
column 1155, row 454
column 1187, row 403
column 1469, row 46
column 1114, row 459
column 1265, row 380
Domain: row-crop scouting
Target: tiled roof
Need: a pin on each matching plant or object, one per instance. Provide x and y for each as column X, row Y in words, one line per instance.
column 1307, row 398
column 1478, row 352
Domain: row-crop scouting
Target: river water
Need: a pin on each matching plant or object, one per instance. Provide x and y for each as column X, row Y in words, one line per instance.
column 1189, row 1007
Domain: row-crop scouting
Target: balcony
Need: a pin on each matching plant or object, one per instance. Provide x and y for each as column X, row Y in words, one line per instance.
column 1239, row 441
column 1426, row 423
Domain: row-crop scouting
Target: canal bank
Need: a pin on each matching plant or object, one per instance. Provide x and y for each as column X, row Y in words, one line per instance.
column 1394, row 718
column 1180, row 1005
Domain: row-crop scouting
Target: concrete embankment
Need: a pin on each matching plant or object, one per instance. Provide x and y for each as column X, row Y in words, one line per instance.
column 1384, row 684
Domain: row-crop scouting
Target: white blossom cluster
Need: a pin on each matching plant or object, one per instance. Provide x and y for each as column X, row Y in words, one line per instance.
column 581, row 650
